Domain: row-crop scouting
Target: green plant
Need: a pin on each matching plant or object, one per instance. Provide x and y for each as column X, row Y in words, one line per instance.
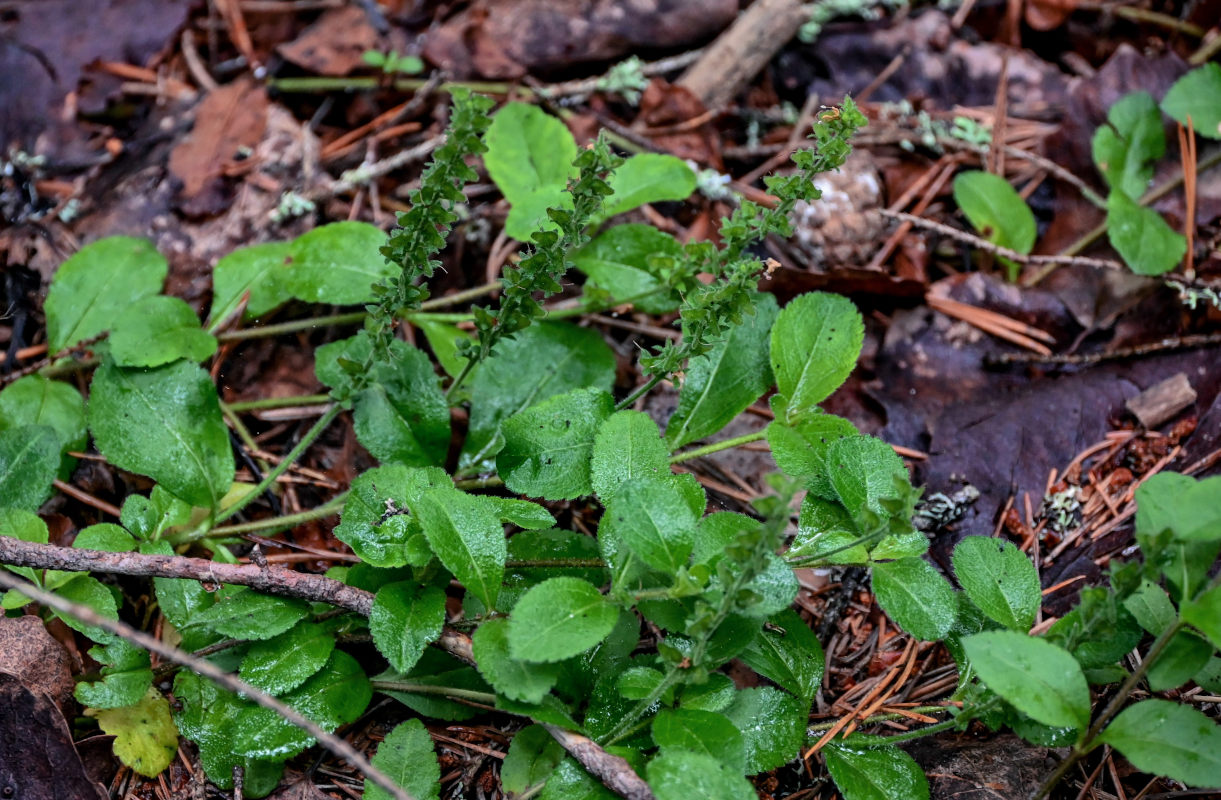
column 392, row 63
column 1126, row 149
column 550, row 625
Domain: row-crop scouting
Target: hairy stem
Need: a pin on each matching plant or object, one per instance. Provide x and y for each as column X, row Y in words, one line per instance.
column 486, row 698
column 328, row 509
column 308, row 439
column 716, row 447
column 264, row 403
column 628, row 401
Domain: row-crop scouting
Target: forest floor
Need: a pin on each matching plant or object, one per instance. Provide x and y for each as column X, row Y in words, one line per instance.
column 191, row 123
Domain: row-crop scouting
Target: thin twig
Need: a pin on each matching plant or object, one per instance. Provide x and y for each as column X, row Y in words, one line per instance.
column 335, row 744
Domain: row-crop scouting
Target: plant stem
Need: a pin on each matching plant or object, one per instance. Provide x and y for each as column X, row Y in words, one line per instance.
column 485, row 698
column 560, row 563
column 1156, row 193
column 640, row 709
column 453, row 387
column 308, row 439
column 292, row 326
column 327, row 509
column 276, row 402
column 318, row 85
column 1087, row 743
column 490, row 482
column 716, row 447
column 641, row 392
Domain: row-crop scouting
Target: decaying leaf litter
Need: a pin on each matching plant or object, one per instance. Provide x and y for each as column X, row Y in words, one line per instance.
column 205, row 130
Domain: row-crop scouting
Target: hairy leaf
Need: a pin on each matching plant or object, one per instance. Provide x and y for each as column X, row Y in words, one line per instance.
column 158, row 330
column 164, row 423
column 464, row 531
column 29, row 458
column 773, row 725
column 529, row 157
column 259, row 269
column 815, row 343
column 403, row 416
column 1169, row 739
column 92, row 288
column 511, row 677
column 243, row 613
column 788, row 653
column 705, row 732
column 683, row 774
column 875, row 773
column 627, row 447
column 622, row 261
column 916, row 596
column 405, row 619
column 720, row 384
column 375, row 521
column 407, row 757
column 338, row 264
column 282, row 663
column 1000, row 579
column 548, row 447
column 653, row 521
column 1041, row 680
column 533, row 755
column 559, row 618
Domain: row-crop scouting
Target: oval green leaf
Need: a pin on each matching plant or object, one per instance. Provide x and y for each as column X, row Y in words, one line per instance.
column 1000, row 579
column 559, row 618
column 1041, row 680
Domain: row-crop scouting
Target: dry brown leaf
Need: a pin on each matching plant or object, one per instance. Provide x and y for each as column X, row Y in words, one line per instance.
column 228, row 121
column 335, row 44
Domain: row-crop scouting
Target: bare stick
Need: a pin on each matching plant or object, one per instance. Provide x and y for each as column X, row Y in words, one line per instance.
column 270, row 580
column 614, row 772
column 740, row 52
column 209, row 670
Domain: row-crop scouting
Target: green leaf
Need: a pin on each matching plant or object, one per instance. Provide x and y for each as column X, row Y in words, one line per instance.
column 720, row 384
column 1041, row 680
column 997, row 212
column 1000, row 579
column 626, row 261
column 206, row 717
column 653, row 521
column 548, row 447
column 1184, row 656
column 260, row 269
column 533, row 755
column 464, row 531
column 571, row 782
column 28, row 527
column 336, row 695
column 826, row 532
column 126, row 676
column 864, row 471
column 374, row 522
column 544, row 360
column 511, row 677
column 403, row 416
column 815, row 343
column 242, row 613
column 145, row 737
column 406, row 617
column 92, row 288
column 682, row 775
column 164, row 423
column 773, row 725
column 35, row 400
column 104, row 536
column 916, row 596
column 717, row 694
column 406, row 756
column 789, row 654
column 704, row 732
column 1151, row 607
column 439, row 669
column 88, row 591
column 157, row 330
column 148, row 517
column 1204, row 612
column 1186, row 507
column 1141, row 237
column 282, row 663
column 529, row 157
column 338, row 264
column 627, row 447
column 647, row 178
column 444, row 339
column 875, row 773
column 1170, row 739
column 1198, row 95
column 29, row 458
column 524, row 514
column 559, row 618
column 1128, row 144
column 801, row 450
